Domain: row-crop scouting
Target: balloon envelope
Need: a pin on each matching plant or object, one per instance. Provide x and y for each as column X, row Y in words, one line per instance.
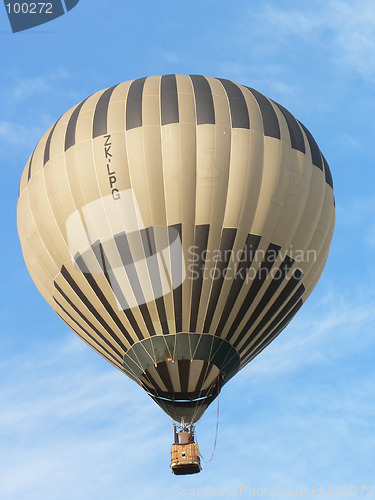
column 177, row 224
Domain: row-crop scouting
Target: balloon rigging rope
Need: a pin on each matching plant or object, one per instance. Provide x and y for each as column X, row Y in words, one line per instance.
column 198, row 404
column 217, row 427
column 201, row 403
column 160, row 399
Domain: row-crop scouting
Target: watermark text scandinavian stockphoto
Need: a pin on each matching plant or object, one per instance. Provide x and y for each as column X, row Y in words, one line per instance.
column 249, row 491
column 108, row 236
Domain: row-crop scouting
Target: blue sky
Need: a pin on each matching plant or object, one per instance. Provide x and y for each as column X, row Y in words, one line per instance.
column 301, row 415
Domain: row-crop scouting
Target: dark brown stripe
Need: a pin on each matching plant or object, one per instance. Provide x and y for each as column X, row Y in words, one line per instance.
column 149, row 247
column 266, row 299
column 99, row 254
column 163, row 373
column 134, row 104
column 156, row 389
column 257, row 283
column 160, row 306
column 247, row 256
column 127, row 260
column 48, row 145
column 95, row 344
column 100, row 124
column 150, row 379
column 202, row 376
column 204, row 103
column 70, row 135
column 327, row 172
column 316, row 155
column 271, row 125
column 226, row 245
column 200, row 243
column 90, row 307
column 87, row 321
column 123, row 247
column 237, row 104
column 147, row 319
column 184, row 371
column 177, row 269
column 296, row 136
column 30, row 162
column 91, row 281
column 285, row 318
column 134, row 324
column 169, row 100
column 97, row 248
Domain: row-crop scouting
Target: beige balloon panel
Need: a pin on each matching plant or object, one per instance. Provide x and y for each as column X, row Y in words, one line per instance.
column 290, row 207
column 270, row 190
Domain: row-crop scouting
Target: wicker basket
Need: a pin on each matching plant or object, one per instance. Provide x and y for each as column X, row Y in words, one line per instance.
column 185, row 459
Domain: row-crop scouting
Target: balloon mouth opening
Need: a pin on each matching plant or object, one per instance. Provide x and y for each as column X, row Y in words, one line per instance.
column 182, row 372
column 189, row 406
column 190, row 410
column 176, row 400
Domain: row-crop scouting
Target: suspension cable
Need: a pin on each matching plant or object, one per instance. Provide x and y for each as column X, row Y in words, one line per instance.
column 217, row 425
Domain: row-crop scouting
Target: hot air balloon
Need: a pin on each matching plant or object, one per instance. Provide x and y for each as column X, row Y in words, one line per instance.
column 177, row 224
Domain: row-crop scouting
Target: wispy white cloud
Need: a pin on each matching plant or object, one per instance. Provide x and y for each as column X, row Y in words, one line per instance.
column 71, row 425
column 292, row 51
column 345, row 30
column 25, row 112
column 17, row 134
column 65, row 422
column 300, row 415
column 354, row 35
column 358, row 214
column 21, row 88
column 167, row 55
column 357, row 210
column 270, row 77
column 325, row 334
column 283, row 21
column 302, row 411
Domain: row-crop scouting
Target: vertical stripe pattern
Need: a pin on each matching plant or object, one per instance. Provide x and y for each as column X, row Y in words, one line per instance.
column 237, row 104
column 169, row 100
column 100, row 126
column 70, row 136
column 134, row 104
column 204, row 103
column 177, row 224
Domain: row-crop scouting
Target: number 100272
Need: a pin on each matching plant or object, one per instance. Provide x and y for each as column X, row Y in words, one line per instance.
column 351, row 491
column 29, row 8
